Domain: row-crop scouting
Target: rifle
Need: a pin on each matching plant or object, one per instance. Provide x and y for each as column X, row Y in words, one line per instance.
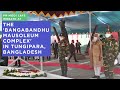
column 91, row 38
column 63, row 30
column 56, row 33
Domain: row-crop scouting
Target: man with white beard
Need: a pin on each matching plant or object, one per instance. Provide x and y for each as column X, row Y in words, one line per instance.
column 96, row 56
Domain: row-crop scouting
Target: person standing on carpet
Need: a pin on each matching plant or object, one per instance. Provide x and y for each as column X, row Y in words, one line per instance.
column 72, row 51
column 96, row 55
column 63, row 47
column 55, row 49
column 63, row 53
column 78, row 48
column 110, row 53
column 17, row 63
column 48, row 58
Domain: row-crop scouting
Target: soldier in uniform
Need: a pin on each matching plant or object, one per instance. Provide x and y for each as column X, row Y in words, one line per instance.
column 63, row 47
column 110, row 52
column 63, row 53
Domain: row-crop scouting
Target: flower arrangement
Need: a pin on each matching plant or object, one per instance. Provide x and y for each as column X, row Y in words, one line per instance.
column 23, row 73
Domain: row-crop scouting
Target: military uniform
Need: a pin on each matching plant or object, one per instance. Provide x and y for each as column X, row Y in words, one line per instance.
column 63, row 52
column 110, row 52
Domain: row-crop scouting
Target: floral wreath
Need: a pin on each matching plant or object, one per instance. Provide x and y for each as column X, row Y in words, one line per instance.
column 23, row 73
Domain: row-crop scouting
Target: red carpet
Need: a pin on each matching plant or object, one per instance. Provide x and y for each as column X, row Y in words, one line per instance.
column 81, row 66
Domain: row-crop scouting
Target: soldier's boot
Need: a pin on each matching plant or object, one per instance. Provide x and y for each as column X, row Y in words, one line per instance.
column 65, row 71
column 107, row 75
column 111, row 75
column 65, row 68
column 62, row 70
column 106, row 70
